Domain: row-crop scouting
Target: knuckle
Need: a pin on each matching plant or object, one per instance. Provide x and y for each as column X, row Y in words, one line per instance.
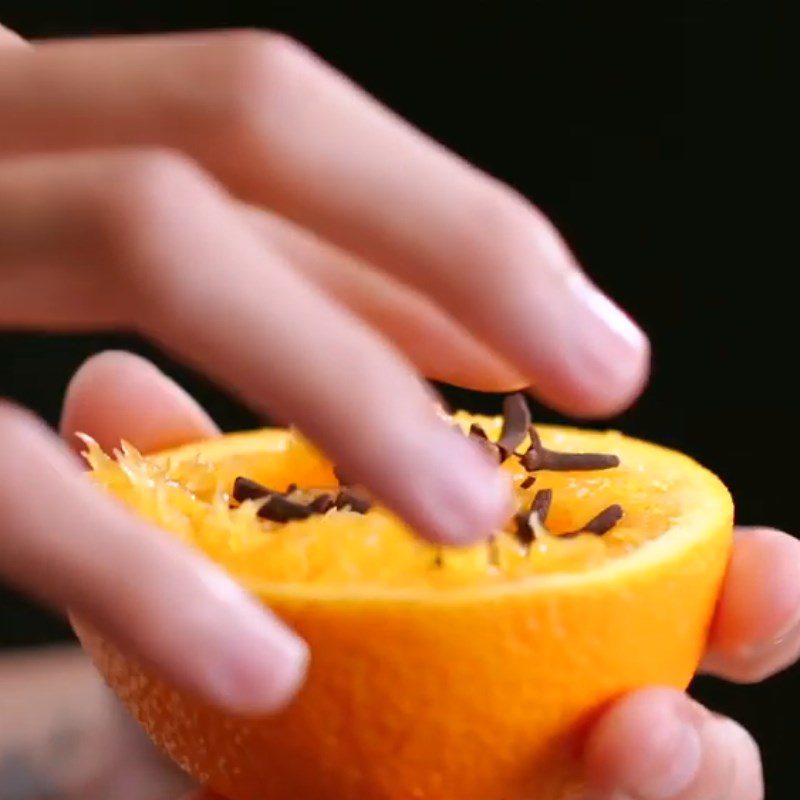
column 499, row 223
column 142, row 184
column 500, row 232
column 136, row 202
column 253, row 71
column 258, row 48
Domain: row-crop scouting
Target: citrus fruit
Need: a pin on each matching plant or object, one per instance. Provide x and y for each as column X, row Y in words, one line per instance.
column 436, row 673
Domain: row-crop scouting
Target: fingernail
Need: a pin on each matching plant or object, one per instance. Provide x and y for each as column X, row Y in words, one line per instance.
column 262, row 665
column 463, row 495
column 675, row 763
column 611, row 352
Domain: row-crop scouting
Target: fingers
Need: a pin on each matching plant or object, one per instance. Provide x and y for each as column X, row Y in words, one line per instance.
column 117, row 395
column 72, row 546
column 440, row 347
column 191, row 274
column 371, row 184
column 757, row 628
column 657, row 744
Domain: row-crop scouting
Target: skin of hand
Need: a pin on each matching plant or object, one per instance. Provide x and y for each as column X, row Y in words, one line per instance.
column 656, row 744
column 237, row 201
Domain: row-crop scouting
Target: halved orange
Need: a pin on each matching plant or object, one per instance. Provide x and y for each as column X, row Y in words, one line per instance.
column 436, row 673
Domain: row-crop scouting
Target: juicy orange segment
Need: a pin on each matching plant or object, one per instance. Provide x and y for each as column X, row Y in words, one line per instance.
column 436, row 673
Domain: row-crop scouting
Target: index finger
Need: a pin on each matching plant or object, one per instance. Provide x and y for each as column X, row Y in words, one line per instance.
column 284, row 130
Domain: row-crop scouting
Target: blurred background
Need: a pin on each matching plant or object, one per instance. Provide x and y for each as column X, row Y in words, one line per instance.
column 652, row 135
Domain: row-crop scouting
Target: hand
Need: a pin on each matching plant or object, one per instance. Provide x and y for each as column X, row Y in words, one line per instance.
column 236, row 200
column 655, row 744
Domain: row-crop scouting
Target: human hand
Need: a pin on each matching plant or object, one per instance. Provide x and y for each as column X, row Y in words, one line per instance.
column 237, row 201
column 656, row 744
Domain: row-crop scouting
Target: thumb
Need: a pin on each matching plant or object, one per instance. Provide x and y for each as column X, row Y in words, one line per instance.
column 117, row 395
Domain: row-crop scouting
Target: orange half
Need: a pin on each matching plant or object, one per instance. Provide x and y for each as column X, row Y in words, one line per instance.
column 436, row 673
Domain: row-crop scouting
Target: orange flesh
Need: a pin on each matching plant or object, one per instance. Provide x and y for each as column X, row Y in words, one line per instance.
column 500, row 662
column 343, row 548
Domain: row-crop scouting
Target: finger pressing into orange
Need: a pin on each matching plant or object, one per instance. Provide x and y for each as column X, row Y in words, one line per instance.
column 117, row 395
column 136, row 239
column 658, row 744
column 757, row 627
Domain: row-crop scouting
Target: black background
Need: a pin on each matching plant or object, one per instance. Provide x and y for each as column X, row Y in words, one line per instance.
column 652, row 135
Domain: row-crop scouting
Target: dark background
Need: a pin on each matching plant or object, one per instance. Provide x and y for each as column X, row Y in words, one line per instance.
column 651, row 134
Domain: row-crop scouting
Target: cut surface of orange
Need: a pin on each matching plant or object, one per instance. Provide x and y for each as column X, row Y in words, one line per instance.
column 436, row 673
